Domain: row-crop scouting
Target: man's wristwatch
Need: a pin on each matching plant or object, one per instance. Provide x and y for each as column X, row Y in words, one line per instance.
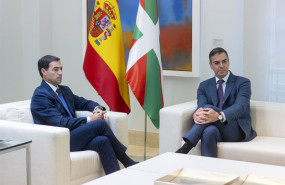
column 220, row 117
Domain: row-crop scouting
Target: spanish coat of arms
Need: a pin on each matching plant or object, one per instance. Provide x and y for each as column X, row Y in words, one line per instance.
column 102, row 22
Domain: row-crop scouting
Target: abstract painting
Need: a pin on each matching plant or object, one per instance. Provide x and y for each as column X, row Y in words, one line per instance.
column 175, row 18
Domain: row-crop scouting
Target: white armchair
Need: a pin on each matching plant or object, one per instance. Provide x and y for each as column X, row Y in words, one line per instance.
column 52, row 163
column 268, row 120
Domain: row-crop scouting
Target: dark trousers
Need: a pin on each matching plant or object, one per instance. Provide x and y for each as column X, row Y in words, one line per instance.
column 97, row 135
column 212, row 133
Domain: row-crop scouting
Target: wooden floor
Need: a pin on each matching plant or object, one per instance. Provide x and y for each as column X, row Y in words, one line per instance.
column 137, row 152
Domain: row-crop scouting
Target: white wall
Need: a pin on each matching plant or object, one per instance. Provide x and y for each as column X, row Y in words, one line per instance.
column 55, row 27
column 32, row 40
column 11, row 73
column 222, row 20
column 25, row 35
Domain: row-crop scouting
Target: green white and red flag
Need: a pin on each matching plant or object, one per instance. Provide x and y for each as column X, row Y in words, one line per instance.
column 144, row 69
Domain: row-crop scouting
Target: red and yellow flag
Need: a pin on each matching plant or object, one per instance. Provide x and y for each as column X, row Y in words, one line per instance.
column 104, row 64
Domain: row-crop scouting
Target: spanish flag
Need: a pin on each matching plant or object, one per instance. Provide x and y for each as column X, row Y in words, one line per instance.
column 104, row 63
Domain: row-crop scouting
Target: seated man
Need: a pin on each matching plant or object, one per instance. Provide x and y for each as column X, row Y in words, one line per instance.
column 223, row 113
column 55, row 105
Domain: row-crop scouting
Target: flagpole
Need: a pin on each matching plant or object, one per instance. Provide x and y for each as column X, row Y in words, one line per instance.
column 145, row 128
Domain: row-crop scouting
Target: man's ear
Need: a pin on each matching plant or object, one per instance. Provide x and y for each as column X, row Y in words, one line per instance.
column 43, row 71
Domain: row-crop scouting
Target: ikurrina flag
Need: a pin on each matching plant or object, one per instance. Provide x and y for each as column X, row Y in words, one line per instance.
column 144, row 70
column 104, row 64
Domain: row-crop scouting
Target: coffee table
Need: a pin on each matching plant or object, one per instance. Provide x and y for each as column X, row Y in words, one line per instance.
column 169, row 162
column 127, row 177
column 145, row 173
column 12, row 145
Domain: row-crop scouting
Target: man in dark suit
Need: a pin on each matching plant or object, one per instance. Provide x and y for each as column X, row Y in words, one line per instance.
column 55, row 105
column 223, row 113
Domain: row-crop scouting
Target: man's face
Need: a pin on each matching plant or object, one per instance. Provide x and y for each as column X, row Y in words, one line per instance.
column 54, row 73
column 220, row 65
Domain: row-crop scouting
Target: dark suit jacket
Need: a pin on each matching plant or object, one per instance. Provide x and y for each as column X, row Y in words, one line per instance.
column 47, row 108
column 236, row 103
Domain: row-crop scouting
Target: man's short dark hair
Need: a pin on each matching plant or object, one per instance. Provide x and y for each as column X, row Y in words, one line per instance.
column 217, row 50
column 45, row 61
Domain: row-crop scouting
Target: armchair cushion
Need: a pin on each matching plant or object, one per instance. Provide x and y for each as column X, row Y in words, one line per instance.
column 17, row 111
column 262, row 149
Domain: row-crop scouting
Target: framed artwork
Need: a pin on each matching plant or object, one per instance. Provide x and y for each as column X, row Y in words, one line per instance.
column 179, row 33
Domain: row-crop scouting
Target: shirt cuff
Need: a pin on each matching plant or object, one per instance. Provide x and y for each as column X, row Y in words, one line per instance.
column 88, row 119
column 224, row 116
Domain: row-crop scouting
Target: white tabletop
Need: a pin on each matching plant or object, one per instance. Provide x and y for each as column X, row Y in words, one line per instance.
column 170, row 162
column 145, row 173
column 127, row 177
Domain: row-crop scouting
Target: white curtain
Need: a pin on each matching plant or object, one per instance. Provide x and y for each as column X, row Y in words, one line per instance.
column 264, row 48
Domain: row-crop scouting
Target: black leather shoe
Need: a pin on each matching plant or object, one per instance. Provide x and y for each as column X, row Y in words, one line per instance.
column 185, row 148
column 126, row 160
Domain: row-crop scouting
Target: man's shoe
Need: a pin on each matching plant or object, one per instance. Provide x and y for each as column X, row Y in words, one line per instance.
column 185, row 148
column 126, row 160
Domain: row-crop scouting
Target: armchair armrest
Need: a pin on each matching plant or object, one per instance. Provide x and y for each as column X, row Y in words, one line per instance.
column 117, row 121
column 264, row 114
column 175, row 121
column 49, row 153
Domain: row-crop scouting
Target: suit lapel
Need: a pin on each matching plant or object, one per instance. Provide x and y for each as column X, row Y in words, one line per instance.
column 213, row 91
column 229, row 86
column 48, row 88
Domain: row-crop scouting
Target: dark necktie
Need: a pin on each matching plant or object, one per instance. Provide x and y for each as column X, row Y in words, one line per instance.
column 220, row 93
column 63, row 101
